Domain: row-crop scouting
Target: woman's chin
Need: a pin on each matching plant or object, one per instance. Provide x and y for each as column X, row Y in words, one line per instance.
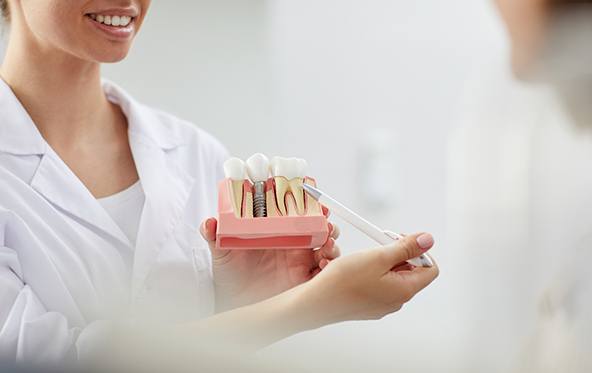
column 111, row 56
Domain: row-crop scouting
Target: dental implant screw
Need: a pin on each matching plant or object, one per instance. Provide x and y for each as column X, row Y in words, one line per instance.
column 259, row 200
column 258, row 170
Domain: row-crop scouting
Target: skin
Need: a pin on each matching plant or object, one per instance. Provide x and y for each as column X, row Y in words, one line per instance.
column 382, row 284
column 526, row 22
column 247, row 276
column 530, row 27
column 53, row 67
column 55, row 73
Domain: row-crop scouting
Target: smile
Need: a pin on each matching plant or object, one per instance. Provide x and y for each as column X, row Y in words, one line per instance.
column 112, row 20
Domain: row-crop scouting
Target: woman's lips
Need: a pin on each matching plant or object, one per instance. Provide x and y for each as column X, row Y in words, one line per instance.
column 113, row 32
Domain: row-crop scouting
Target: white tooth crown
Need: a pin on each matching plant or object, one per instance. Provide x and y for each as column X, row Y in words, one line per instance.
column 258, row 168
column 290, row 168
column 112, row 20
column 235, row 169
column 302, row 168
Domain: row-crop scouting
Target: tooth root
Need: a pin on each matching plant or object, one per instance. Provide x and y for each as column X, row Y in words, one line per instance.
column 290, row 203
column 236, row 193
column 248, row 205
column 298, row 195
column 272, row 209
column 281, row 188
column 313, row 207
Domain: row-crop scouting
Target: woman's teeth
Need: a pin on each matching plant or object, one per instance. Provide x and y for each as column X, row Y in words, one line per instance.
column 118, row 21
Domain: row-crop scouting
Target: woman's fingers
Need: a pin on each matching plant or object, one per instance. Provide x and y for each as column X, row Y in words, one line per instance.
column 333, row 253
column 208, row 230
column 403, row 267
column 415, row 280
column 409, row 247
column 334, row 231
column 329, row 251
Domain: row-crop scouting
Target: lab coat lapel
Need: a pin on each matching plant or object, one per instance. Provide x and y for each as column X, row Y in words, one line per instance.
column 59, row 185
column 167, row 189
column 52, row 179
column 166, row 186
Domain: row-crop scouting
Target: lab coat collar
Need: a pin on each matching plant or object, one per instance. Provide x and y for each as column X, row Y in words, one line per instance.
column 144, row 123
column 152, row 139
column 18, row 133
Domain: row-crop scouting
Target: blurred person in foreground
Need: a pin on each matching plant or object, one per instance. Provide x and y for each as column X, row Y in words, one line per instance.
column 520, row 199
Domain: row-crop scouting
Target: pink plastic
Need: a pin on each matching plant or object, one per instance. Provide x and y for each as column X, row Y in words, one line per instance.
column 281, row 232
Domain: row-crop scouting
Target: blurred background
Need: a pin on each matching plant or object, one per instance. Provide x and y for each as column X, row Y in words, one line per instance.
column 379, row 97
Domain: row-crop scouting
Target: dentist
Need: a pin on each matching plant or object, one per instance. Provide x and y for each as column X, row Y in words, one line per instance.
column 101, row 200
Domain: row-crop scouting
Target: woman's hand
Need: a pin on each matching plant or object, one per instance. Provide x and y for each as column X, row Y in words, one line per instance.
column 361, row 286
column 242, row 277
column 368, row 284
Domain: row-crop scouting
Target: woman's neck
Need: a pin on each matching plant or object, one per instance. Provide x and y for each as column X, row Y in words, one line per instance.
column 61, row 93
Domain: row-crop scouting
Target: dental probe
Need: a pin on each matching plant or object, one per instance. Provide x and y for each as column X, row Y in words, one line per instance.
column 363, row 225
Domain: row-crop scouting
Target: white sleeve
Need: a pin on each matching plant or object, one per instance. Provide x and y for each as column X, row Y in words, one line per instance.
column 28, row 332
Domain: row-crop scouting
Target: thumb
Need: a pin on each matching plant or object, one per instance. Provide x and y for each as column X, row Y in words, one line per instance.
column 208, row 230
column 407, row 248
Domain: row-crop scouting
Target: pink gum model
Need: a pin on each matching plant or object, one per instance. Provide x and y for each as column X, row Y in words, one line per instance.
column 274, row 232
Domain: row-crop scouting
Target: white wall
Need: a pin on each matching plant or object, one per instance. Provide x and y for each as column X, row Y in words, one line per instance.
column 345, row 70
column 323, row 79
column 206, row 61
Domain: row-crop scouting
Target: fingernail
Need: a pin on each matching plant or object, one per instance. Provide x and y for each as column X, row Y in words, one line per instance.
column 425, row 241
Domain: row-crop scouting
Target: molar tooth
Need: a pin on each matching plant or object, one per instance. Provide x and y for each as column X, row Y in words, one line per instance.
column 281, row 188
column 296, row 185
column 107, row 20
column 236, row 170
column 291, row 205
column 313, row 207
column 288, row 175
column 281, row 183
column 272, row 205
column 100, row 18
column 286, row 167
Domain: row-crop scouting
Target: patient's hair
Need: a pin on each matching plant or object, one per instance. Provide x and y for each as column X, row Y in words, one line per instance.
column 4, row 11
column 560, row 3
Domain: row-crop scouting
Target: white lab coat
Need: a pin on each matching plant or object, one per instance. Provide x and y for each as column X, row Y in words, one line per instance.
column 66, row 269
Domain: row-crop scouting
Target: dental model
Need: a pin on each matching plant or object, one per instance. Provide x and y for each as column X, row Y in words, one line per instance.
column 236, row 171
column 258, row 170
column 268, row 212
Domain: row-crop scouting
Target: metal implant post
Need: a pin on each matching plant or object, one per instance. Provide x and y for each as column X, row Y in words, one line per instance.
column 259, row 200
column 258, row 170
